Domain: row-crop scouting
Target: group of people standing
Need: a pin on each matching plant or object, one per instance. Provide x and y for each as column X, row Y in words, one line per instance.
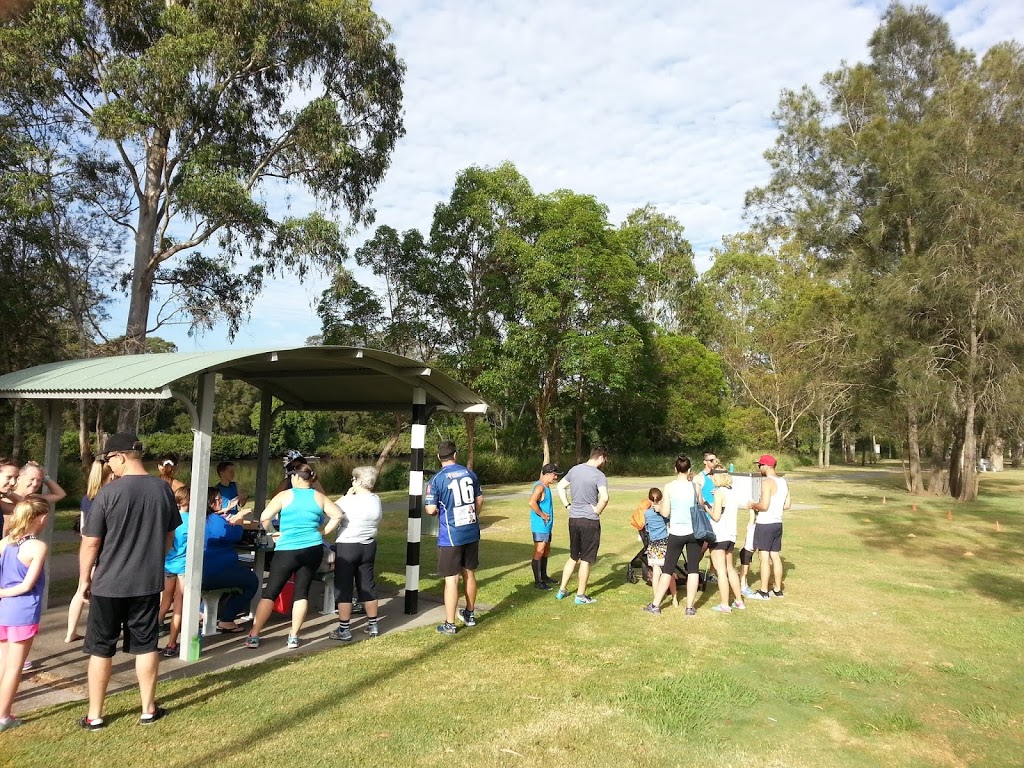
column 676, row 529
column 696, row 513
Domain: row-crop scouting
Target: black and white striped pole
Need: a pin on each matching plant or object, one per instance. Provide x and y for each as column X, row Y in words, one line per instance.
column 412, row 547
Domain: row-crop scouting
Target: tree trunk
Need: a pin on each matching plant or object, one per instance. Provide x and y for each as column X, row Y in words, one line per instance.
column 144, row 266
column 579, row 434
column 828, row 442
column 83, row 434
column 913, row 452
column 821, row 441
column 1016, row 446
column 938, row 478
column 389, row 446
column 470, row 439
column 956, row 457
column 16, row 432
column 996, row 455
column 99, row 427
column 968, row 490
column 545, row 443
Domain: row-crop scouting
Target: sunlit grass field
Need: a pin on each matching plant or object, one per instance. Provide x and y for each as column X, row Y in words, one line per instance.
column 899, row 643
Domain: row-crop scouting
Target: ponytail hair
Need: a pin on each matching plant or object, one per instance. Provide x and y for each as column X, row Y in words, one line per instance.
column 98, row 474
column 26, row 511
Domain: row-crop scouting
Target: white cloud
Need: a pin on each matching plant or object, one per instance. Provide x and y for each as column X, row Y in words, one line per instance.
column 656, row 102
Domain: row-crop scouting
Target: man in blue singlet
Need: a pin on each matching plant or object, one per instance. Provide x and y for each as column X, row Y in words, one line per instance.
column 542, row 520
column 454, row 494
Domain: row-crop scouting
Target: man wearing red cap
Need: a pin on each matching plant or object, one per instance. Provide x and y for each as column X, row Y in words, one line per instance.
column 768, row 528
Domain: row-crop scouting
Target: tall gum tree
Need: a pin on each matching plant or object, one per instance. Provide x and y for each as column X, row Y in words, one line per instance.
column 202, row 112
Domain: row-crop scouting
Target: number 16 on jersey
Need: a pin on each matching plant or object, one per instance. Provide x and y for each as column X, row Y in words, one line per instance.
column 463, row 499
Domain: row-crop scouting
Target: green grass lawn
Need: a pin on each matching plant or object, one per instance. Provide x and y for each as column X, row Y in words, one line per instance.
column 899, row 642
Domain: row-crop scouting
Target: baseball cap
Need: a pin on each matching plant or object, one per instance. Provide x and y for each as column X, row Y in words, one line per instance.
column 122, row 441
column 549, row 469
column 291, row 455
column 766, row 459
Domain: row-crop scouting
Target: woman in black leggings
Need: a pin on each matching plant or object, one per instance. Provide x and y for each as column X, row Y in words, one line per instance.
column 681, row 494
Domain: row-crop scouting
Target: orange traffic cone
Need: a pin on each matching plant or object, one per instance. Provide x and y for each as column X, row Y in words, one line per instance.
column 883, row 499
column 913, row 507
column 997, row 526
column 949, row 515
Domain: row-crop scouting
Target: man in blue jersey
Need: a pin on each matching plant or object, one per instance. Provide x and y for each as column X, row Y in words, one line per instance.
column 454, row 494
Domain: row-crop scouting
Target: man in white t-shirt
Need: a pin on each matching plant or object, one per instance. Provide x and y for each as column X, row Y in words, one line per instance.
column 768, row 528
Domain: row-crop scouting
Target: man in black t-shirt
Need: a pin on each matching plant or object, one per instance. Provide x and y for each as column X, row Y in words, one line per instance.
column 126, row 536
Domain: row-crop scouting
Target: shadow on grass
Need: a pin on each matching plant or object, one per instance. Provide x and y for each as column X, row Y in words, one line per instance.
column 1007, row 589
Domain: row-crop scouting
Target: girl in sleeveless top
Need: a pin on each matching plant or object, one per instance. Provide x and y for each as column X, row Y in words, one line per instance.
column 22, row 580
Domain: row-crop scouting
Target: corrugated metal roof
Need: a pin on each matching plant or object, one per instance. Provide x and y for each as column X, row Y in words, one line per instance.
column 313, row 378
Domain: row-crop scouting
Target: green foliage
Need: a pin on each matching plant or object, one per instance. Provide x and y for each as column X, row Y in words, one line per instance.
column 303, row 431
column 695, row 391
column 222, row 447
column 184, row 112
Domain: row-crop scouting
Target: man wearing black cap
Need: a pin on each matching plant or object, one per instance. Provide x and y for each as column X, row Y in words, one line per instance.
column 542, row 519
column 126, row 536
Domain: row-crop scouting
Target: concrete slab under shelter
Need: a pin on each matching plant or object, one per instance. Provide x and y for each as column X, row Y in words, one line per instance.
column 60, row 669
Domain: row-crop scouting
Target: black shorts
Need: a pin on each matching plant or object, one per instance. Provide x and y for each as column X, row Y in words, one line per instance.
column 723, row 546
column 451, row 561
column 137, row 617
column 301, row 563
column 746, row 556
column 676, row 544
column 768, row 537
column 354, row 561
column 584, row 539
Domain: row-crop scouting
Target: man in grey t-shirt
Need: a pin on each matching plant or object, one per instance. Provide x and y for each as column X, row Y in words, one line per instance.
column 588, row 488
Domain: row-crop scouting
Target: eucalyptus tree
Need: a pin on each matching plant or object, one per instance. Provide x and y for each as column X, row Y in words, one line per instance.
column 906, row 168
column 203, row 113
column 579, row 332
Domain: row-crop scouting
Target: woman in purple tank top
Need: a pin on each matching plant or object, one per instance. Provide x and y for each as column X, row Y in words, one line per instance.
column 22, row 557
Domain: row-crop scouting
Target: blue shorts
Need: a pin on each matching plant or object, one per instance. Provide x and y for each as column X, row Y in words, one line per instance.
column 541, row 537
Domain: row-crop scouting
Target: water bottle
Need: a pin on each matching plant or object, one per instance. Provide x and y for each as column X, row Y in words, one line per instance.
column 730, row 468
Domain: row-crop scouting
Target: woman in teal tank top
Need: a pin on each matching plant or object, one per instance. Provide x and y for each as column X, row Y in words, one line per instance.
column 298, row 550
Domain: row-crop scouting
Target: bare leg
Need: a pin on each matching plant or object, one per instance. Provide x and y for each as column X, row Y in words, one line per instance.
column 692, row 581
column 718, row 561
column 451, row 597
column 766, row 570
column 777, row 562
column 263, row 611
column 660, row 588
column 581, row 588
column 734, row 579
column 99, row 677
column 371, row 608
column 298, row 615
column 655, row 581
column 147, row 665
column 345, row 610
column 12, row 658
column 570, row 566
column 74, row 616
column 172, row 635
column 469, row 579
column 672, row 590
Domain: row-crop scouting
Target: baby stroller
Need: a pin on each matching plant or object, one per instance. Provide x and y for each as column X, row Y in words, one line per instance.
column 639, row 567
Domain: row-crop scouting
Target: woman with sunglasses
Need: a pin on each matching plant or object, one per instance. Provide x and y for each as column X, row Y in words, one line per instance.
column 298, row 550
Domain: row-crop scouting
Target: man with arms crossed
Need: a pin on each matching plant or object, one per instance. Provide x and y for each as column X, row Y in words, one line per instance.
column 589, row 499
column 454, row 494
column 768, row 526
column 126, row 536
